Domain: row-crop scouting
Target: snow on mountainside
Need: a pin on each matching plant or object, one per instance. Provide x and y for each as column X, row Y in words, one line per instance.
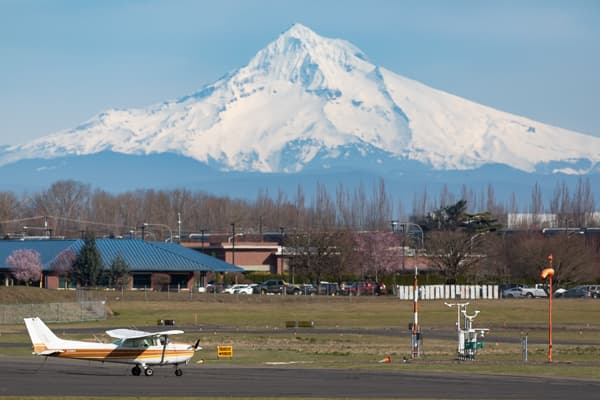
column 305, row 98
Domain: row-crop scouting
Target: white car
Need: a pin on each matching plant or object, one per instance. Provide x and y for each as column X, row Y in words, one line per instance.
column 232, row 289
column 248, row 289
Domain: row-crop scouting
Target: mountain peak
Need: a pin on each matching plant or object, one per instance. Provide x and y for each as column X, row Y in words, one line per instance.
column 307, row 100
column 301, row 55
column 298, row 30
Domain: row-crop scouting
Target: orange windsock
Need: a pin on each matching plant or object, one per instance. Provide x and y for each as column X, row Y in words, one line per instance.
column 548, row 272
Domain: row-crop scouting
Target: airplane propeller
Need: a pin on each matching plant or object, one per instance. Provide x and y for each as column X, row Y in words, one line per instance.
column 196, row 346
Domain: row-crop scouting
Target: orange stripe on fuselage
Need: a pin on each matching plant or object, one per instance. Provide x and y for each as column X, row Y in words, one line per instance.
column 120, row 354
column 116, row 354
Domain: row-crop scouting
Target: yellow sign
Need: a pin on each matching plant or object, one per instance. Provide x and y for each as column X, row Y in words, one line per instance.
column 224, row 351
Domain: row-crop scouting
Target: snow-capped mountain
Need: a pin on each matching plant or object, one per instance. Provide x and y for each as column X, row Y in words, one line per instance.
column 305, row 100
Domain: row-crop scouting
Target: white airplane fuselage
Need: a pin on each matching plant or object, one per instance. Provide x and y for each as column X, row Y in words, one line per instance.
column 119, row 353
column 143, row 349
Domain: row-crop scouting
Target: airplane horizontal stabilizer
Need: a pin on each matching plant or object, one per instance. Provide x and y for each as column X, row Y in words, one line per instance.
column 48, row 352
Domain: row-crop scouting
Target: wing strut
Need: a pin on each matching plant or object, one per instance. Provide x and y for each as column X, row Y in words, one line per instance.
column 166, row 338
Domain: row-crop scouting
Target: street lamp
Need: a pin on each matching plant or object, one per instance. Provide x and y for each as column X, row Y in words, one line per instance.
column 146, row 224
column 202, row 231
column 47, row 231
column 233, row 243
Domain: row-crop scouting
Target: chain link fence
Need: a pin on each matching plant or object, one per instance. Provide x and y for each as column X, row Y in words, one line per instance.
column 54, row 312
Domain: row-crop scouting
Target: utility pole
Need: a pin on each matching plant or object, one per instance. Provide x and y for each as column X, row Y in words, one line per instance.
column 233, row 243
column 179, row 226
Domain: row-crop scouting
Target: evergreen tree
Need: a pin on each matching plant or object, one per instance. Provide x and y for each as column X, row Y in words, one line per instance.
column 88, row 265
column 118, row 273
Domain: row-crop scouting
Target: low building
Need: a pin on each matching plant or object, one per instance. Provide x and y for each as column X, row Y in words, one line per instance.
column 152, row 265
column 252, row 256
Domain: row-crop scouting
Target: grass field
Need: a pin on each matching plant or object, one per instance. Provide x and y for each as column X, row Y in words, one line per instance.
column 349, row 333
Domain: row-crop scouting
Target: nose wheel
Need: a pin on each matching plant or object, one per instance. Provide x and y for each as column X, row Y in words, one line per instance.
column 178, row 371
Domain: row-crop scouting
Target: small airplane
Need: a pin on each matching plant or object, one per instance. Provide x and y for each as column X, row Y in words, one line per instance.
column 144, row 349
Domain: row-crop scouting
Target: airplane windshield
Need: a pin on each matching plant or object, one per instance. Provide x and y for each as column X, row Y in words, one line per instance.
column 139, row 342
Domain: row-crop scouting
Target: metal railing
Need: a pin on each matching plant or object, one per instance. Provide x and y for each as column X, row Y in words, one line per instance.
column 53, row 312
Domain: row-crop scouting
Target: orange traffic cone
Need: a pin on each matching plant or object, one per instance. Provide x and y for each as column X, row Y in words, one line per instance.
column 386, row 360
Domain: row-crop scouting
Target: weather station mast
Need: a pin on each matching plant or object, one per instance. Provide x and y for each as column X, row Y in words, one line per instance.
column 414, row 327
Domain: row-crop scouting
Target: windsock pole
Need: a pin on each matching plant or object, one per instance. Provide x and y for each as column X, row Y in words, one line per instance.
column 549, row 273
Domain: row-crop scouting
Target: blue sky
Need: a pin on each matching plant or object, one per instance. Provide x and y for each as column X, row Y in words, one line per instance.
column 64, row 61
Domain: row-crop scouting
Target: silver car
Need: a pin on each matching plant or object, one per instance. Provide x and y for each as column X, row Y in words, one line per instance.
column 513, row 293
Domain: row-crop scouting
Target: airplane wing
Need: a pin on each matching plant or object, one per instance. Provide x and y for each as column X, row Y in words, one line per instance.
column 134, row 334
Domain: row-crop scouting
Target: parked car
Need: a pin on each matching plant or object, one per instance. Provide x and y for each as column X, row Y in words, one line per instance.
column 231, row 289
column 513, row 292
column 594, row 290
column 247, row 289
column 277, row 286
column 212, row 287
column 505, row 286
column 329, row 289
column 559, row 292
column 581, row 292
column 362, row 288
column 308, row 289
column 536, row 291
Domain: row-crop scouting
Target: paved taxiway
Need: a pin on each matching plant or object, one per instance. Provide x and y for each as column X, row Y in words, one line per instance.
column 31, row 376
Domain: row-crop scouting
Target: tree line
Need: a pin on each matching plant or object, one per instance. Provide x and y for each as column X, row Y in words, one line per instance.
column 458, row 247
column 67, row 208
column 337, row 234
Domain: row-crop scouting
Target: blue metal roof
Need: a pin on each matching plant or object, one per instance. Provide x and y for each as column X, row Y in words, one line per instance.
column 139, row 255
column 48, row 249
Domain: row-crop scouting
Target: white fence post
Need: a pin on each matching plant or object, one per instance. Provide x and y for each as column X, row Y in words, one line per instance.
column 437, row 292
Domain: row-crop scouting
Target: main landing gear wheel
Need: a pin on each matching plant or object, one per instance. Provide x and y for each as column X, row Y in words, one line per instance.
column 148, row 372
column 136, row 371
column 178, row 372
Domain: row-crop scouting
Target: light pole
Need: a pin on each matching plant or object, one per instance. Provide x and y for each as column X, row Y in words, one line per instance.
column 233, row 243
column 290, row 267
column 146, row 224
column 179, row 227
column 549, row 273
column 47, row 231
column 202, row 238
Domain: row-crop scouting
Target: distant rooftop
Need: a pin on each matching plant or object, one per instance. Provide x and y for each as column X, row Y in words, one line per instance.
column 139, row 255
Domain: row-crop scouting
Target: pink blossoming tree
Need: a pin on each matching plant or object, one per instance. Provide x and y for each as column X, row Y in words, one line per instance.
column 25, row 265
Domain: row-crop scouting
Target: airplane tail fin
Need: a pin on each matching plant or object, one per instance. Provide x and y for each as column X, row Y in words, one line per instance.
column 41, row 336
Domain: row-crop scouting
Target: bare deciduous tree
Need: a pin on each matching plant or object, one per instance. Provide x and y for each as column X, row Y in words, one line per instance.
column 316, row 255
column 451, row 254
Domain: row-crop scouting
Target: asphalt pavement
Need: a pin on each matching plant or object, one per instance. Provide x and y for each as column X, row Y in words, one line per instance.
column 36, row 376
